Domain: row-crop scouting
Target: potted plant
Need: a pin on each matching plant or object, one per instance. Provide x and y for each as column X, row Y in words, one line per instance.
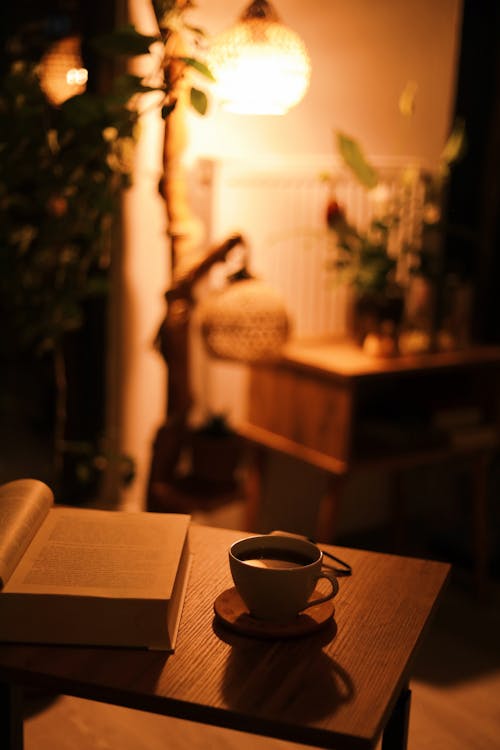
column 62, row 169
column 379, row 262
column 61, row 172
column 361, row 260
column 215, row 452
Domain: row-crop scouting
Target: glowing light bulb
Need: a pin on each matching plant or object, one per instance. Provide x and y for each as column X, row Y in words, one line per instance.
column 260, row 65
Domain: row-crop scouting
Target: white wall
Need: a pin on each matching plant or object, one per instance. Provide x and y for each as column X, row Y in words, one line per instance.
column 362, row 54
column 144, row 279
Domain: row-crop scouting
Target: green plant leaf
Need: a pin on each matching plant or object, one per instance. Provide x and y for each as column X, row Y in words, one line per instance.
column 127, row 85
column 199, row 101
column 195, row 30
column 454, row 147
column 97, row 286
column 354, row 158
column 163, row 8
column 199, row 66
column 124, row 41
column 407, row 99
column 82, row 109
column 167, row 109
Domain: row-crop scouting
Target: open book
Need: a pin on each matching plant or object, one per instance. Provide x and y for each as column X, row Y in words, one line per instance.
column 94, row 577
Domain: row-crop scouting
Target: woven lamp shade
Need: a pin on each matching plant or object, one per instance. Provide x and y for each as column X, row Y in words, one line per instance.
column 246, row 322
column 260, row 65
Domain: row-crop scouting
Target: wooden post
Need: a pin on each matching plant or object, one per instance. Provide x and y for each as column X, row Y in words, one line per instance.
column 173, row 339
column 11, row 712
column 189, row 261
column 395, row 735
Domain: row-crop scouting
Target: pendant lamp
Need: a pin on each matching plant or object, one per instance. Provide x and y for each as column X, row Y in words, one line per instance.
column 260, row 65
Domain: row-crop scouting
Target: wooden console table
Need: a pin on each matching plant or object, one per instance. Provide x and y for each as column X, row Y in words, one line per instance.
column 338, row 409
column 341, row 687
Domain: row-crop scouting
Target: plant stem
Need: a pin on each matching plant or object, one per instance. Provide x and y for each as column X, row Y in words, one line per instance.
column 61, row 384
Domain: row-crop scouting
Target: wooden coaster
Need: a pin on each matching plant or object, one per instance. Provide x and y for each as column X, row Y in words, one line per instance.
column 231, row 610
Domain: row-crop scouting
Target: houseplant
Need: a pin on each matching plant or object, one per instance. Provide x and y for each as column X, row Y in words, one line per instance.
column 62, row 169
column 380, row 260
column 61, row 172
column 361, row 259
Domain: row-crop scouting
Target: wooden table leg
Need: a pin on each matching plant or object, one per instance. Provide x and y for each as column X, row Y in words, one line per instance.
column 329, row 509
column 480, row 523
column 254, row 481
column 398, row 511
column 11, row 713
column 395, row 735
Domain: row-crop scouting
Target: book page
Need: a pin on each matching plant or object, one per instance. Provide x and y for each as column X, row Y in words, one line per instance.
column 24, row 504
column 103, row 553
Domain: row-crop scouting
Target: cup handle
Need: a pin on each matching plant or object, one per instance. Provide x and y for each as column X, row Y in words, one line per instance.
column 335, row 588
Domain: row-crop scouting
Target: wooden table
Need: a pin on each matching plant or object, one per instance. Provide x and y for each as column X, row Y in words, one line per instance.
column 338, row 409
column 340, row 687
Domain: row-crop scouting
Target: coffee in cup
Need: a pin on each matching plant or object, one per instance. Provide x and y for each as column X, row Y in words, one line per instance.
column 276, row 575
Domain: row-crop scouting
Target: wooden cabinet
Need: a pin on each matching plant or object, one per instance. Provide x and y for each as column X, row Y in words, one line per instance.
column 345, row 408
column 311, row 412
column 333, row 406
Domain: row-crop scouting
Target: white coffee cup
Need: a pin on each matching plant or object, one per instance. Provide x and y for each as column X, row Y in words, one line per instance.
column 276, row 575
